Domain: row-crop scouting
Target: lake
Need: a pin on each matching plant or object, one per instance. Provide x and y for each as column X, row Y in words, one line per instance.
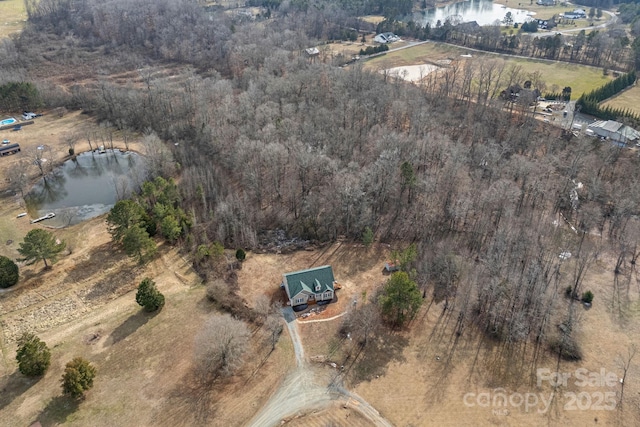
column 85, row 187
column 484, row 12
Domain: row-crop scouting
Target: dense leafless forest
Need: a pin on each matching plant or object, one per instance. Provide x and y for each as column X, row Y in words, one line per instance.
column 262, row 139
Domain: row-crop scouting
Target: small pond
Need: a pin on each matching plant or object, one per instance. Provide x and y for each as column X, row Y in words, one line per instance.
column 484, row 12
column 86, row 186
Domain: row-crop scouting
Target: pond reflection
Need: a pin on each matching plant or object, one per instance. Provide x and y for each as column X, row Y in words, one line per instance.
column 86, row 186
column 484, row 12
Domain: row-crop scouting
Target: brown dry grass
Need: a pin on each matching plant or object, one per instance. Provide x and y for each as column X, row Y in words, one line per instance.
column 85, row 307
column 422, row 389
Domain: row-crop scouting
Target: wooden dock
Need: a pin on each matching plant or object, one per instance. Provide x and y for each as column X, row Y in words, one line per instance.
column 42, row 218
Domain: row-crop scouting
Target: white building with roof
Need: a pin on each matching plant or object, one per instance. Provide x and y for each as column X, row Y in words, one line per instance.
column 615, row 131
column 386, row 38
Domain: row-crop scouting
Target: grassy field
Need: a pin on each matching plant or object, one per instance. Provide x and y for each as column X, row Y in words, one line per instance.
column 580, row 78
column 13, row 16
column 374, row 19
column 627, row 99
column 427, row 52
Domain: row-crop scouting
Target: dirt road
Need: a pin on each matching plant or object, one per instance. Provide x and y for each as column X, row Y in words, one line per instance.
column 309, row 388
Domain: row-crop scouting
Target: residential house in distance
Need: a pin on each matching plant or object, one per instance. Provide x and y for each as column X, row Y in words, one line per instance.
column 312, row 51
column 546, row 2
column 315, row 285
column 576, row 14
column 386, row 38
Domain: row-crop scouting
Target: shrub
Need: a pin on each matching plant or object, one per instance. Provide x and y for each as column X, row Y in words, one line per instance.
column 241, row 255
column 33, row 355
column 220, row 346
column 367, row 237
column 78, row 377
column 8, row 272
column 148, row 296
column 218, row 291
column 567, row 348
column 587, row 297
column 568, row 291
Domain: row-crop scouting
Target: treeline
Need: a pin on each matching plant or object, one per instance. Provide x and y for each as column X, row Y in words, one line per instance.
column 565, row 95
column 611, row 88
column 629, row 12
column 597, row 48
column 370, row 50
column 589, row 103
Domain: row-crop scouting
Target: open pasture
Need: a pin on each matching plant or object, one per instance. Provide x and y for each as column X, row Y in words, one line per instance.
column 555, row 74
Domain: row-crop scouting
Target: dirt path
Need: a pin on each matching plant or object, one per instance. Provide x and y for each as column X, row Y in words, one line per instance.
column 324, row 320
column 308, row 389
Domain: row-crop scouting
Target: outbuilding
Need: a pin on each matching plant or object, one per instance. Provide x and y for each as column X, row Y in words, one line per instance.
column 615, row 131
column 6, row 150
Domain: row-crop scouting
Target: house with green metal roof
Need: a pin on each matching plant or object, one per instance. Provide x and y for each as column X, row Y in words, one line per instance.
column 315, row 285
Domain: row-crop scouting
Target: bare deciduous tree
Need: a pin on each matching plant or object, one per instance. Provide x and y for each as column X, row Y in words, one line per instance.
column 363, row 322
column 158, row 157
column 70, row 139
column 220, row 346
column 262, row 307
column 18, row 179
column 624, row 363
column 273, row 325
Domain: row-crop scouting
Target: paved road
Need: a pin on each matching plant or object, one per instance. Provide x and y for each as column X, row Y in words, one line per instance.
column 309, row 388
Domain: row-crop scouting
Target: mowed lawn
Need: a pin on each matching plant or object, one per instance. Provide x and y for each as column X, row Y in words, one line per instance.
column 580, row 78
column 12, row 16
column 629, row 99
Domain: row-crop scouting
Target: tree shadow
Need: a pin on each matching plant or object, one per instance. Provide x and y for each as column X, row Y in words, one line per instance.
column 193, row 401
column 100, row 258
column 372, row 360
column 129, row 326
column 14, row 385
column 58, row 410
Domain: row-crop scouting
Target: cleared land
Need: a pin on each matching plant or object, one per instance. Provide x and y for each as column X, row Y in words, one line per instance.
column 12, row 17
column 373, row 19
column 580, row 78
column 353, row 48
column 629, row 99
column 411, row 73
